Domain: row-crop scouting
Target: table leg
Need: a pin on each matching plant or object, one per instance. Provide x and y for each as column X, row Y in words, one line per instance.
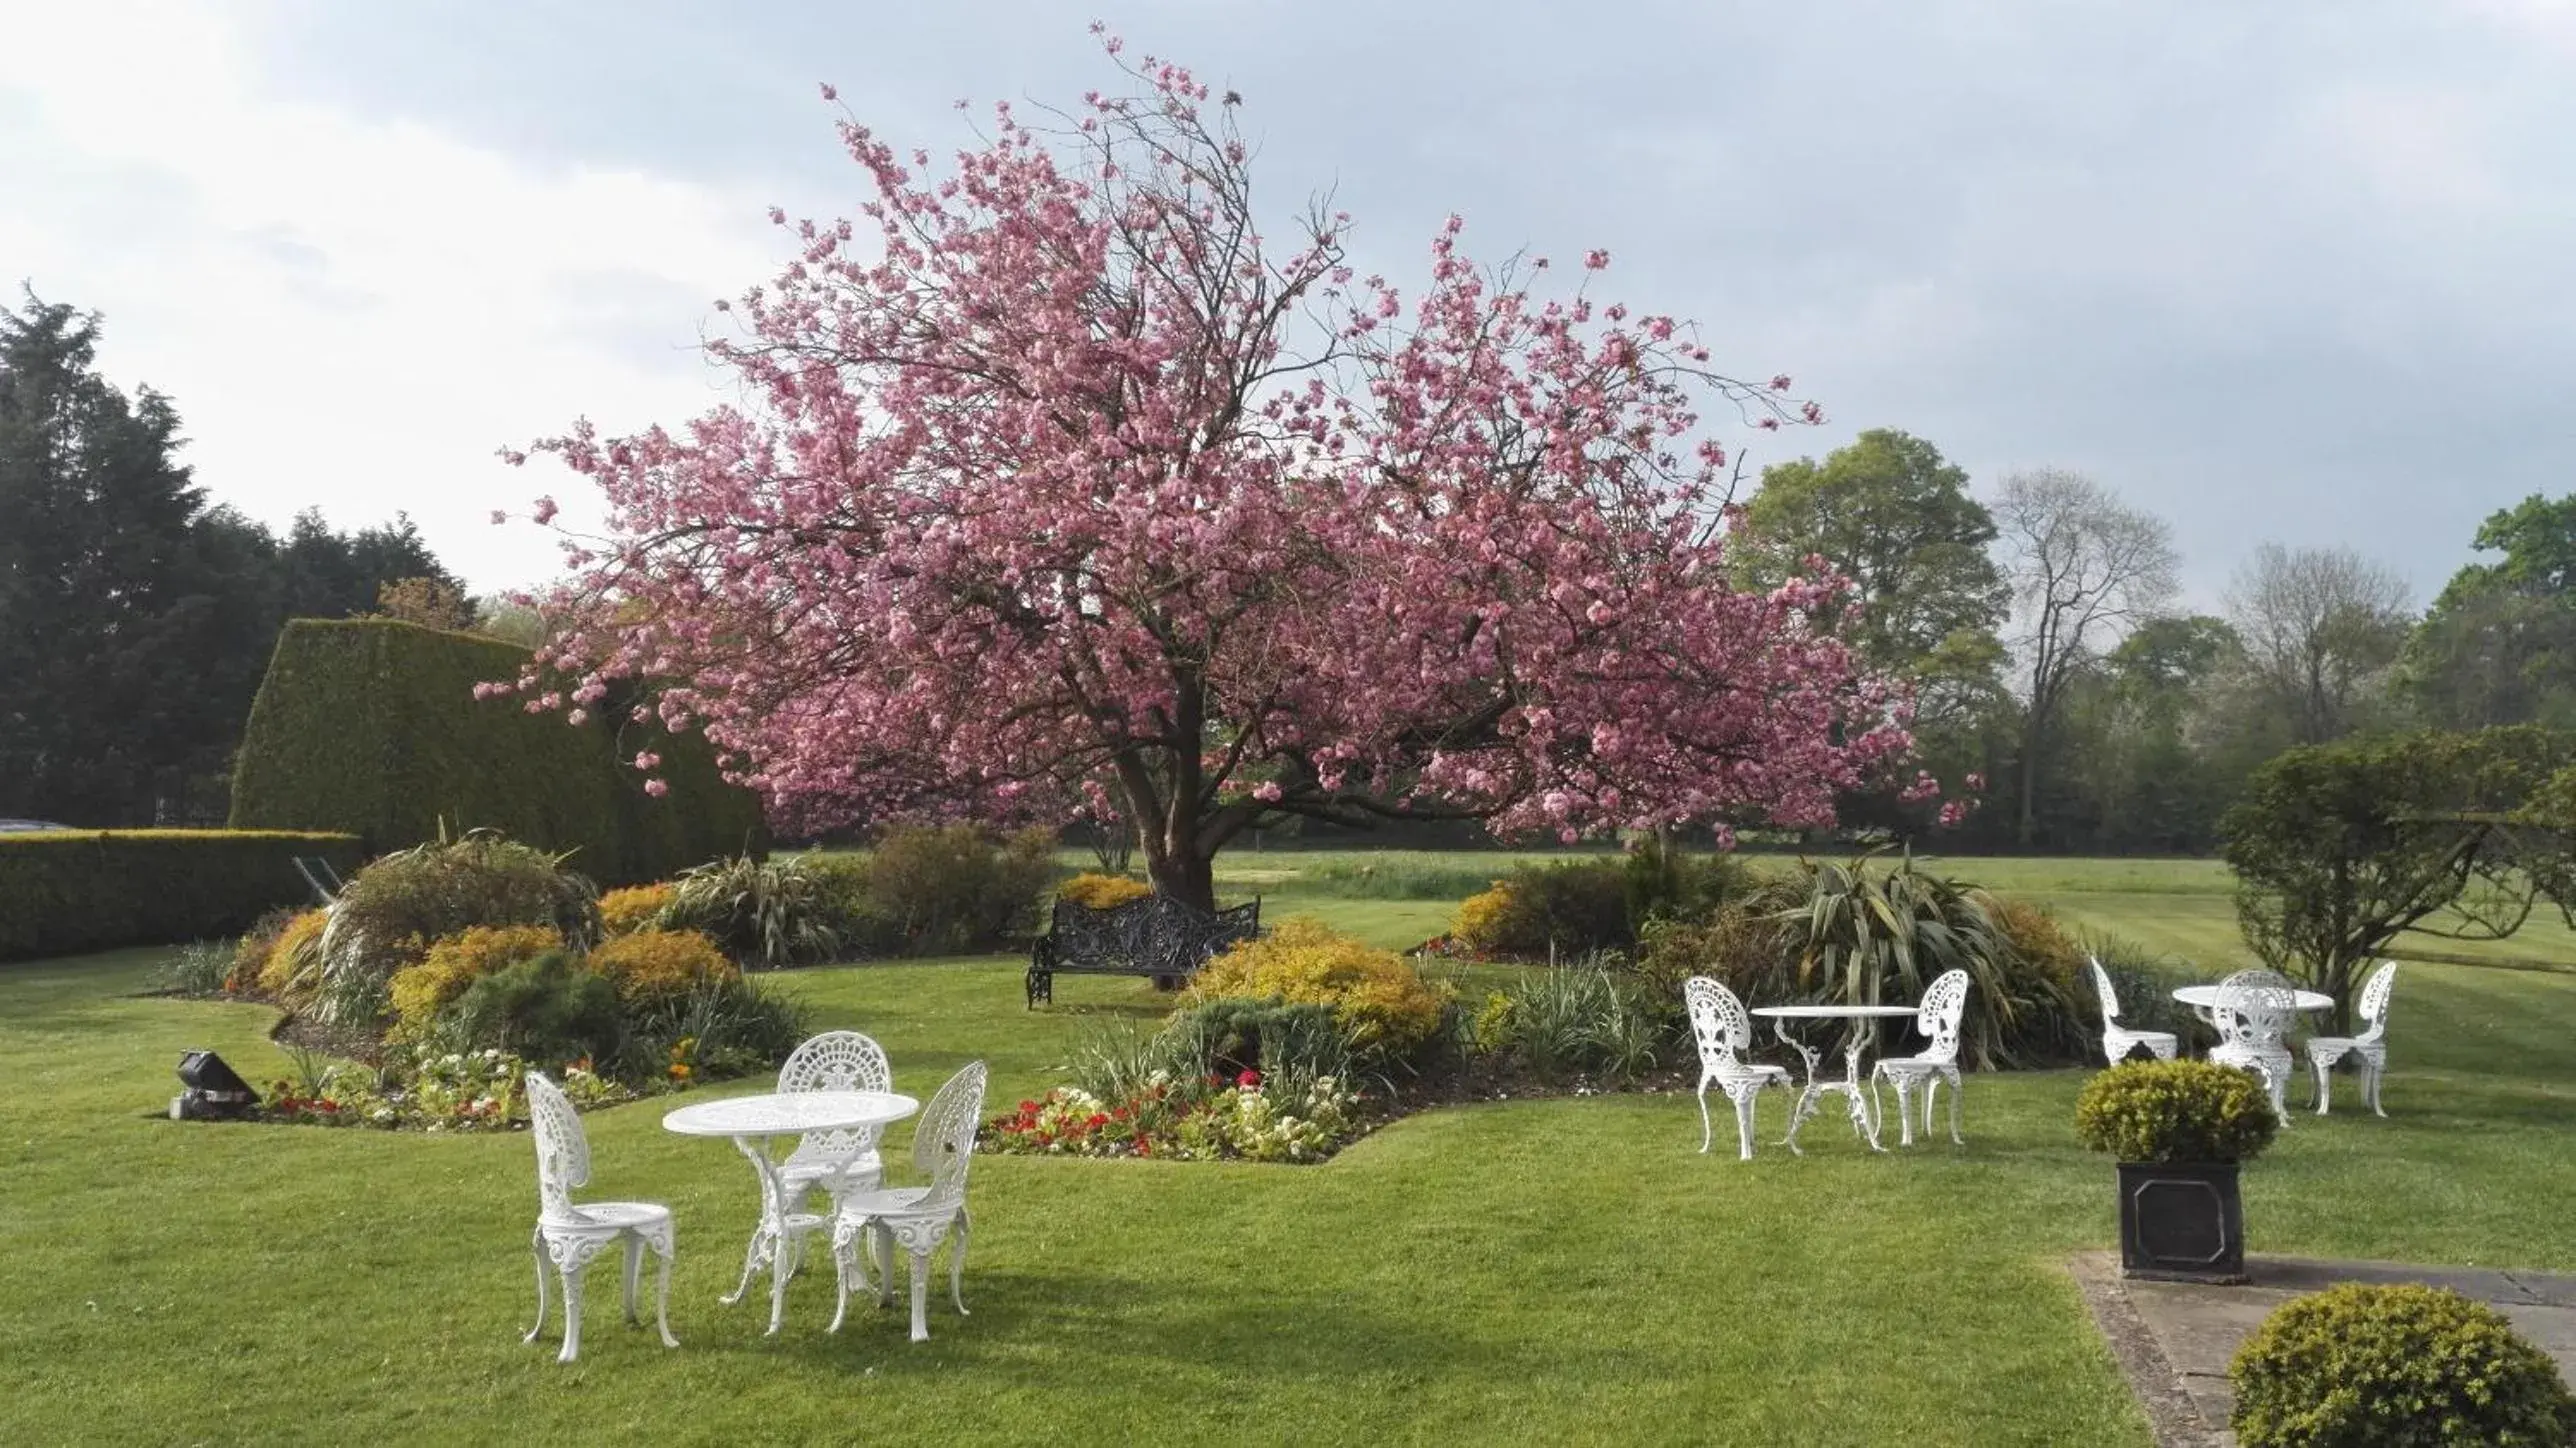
column 1862, row 1121
column 1809, row 1096
column 768, row 1247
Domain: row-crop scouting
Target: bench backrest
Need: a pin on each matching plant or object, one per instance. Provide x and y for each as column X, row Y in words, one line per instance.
column 1154, row 934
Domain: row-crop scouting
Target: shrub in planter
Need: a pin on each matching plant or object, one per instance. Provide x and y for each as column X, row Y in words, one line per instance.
column 2179, row 1130
column 622, row 912
column 1102, row 892
column 1380, row 1001
column 452, row 965
column 547, row 1010
column 2396, row 1367
column 659, row 965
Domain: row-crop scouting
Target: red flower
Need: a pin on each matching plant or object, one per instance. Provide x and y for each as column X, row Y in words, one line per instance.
column 1028, row 1108
column 1097, row 1121
column 1248, row 1080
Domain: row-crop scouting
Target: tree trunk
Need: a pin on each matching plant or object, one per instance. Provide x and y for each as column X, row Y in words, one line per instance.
column 1177, row 867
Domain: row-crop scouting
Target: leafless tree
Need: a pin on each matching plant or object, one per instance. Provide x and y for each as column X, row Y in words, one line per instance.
column 2085, row 568
column 2321, row 627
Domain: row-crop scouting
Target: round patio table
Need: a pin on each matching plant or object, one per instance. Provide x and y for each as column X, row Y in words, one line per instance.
column 1812, row 1098
column 753, row 1122
column 2205, row 997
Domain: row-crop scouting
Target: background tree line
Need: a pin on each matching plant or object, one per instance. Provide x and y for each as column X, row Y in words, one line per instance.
column 136, row 614
column 2049, row 659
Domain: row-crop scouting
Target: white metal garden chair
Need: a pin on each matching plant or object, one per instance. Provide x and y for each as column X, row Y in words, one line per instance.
column 569, row 1234
column 1724, row 1031
column 2119, row 1040
column 837, row 1162
column 2253, row 1016
column 1945, row 1002
column 2369, row 1049
column 917, row 1218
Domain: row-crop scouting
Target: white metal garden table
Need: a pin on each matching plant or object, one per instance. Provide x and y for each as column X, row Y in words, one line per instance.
column 1811, row 1099
column 753, row 1122
column 2204, row 998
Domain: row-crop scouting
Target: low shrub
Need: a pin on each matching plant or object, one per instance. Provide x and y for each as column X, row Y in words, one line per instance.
column 252, row 950
column 547, row 1010
column 1102, row 892
column 63, row 892
column 1479, row 925
column 1290, row 1044
column 2175, row 1111
column 623, row 912
column 1575, row 1021
column 198, row 968
column 1663, row 883
column 391, row 911
column 1246, row 1118
column 723, row 1026
column 2369, row 1366
column 453, row 963
column 1570, row 908
column 959, row 889
column 659, row 965
column 1380, row 1001
column 1743, row 950
column 760, row 912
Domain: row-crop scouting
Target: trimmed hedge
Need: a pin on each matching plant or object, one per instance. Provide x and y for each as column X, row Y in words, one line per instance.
column 67, row 891
column 371, row 727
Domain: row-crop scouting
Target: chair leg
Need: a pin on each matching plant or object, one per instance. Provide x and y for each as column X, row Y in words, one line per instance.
column 2321, row 1072
column 634, row 1277
column 920, row 1295
column 1931, row 1099
column 572, row 1314
column 1744, row 1125
column 844, row 1253
column 957, row 1261
column 1703, row 1116
column 782, row 1265
column 1955, row 1093
column 665, row 1249
column 537, row 1249
column 2371, row 1072
column 885, row 1262
column 1904, row 1110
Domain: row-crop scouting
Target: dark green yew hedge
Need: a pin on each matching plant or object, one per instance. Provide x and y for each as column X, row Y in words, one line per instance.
column 371, row 727
column 67, row 891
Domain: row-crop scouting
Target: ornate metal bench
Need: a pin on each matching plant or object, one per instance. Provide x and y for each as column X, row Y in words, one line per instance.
column 1152, row 936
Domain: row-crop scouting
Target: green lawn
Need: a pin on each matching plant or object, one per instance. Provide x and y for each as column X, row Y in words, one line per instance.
column 1548, row 1271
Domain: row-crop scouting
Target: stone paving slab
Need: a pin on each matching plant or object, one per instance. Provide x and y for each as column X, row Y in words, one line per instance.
column 2174, row 1339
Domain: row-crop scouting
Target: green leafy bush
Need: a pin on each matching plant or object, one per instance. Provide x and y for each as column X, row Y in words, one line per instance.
column 959, row 889
column 1563, row 910
column 371, row 727
column 63, row 892
column 547, row 1010
column 760, row 912
column 1576, row 1021
column 393, row 909
column 454, row 962
column 1292, row 1045
column 723, row 1026
column 2362, row 1366
column 2175, row 1111
column 1382, row 1003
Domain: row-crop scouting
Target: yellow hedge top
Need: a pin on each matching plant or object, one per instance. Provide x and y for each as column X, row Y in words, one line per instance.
column 1375, row 995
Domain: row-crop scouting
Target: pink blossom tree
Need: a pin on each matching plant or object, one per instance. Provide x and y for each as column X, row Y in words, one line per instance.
column 1063, row 493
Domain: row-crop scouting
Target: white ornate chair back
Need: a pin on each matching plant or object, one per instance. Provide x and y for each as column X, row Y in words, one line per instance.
column 1945, row 1003
column 2374, row 999
column 2254, row 1009
column 1718, row 1021
column 944, row 1143
column 836, row 1061
column 2102, row 988
column 563, row 1152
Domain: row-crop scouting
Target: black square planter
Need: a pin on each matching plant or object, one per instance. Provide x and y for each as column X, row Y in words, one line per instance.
column 2181, row 1222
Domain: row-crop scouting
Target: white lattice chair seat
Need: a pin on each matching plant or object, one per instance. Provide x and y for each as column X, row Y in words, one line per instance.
column 569, row 1234
column 917, row 1219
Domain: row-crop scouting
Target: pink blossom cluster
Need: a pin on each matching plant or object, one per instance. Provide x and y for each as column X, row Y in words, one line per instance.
column 1055, row 489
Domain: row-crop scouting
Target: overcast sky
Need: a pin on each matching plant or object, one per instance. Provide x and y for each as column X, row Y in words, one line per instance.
column 2287, row 271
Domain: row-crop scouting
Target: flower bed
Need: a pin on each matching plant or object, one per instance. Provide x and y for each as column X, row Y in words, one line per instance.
column 1200, row 1120
column 454, row 1091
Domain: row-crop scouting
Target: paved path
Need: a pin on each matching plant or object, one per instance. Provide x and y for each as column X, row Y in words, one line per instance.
column 2174, row 1338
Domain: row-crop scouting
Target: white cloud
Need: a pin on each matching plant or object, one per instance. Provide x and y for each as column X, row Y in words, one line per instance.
column 348, row 312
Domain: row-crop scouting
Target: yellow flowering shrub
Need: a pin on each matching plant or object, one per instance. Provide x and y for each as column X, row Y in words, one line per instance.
column 653, row 965
column 1478, row 926
column 1381, row 1001
column 1100, row 892
column 455, row 962
column 296, row 947
column 623, row 912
